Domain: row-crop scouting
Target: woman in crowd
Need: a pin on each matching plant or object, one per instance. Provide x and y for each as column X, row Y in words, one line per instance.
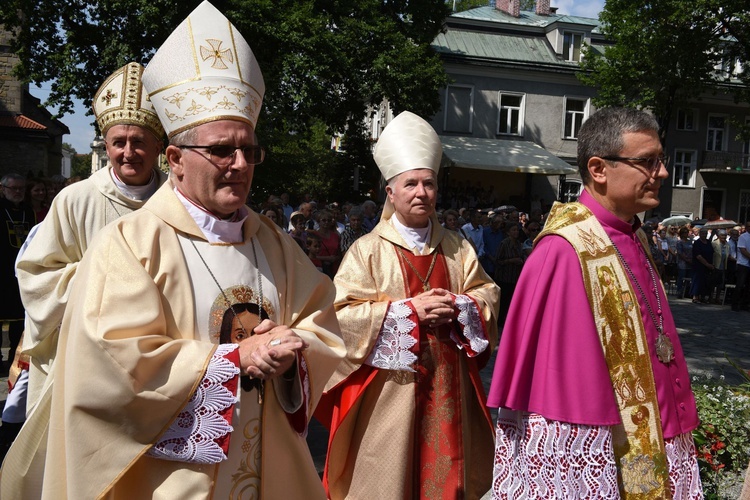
column 36, row 194
column 509, row 262
column 684, row 249
column 703, row 258
column 330, row 241
column 273, row 214
column 532, row 230
column 721, row 256
column 298, row 229
column 452, row 224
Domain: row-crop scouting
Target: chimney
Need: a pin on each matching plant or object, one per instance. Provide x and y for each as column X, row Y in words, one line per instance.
column 512, row 7
column 542, row 7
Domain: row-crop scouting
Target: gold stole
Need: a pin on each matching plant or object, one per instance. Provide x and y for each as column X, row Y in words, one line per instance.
column 638, row 441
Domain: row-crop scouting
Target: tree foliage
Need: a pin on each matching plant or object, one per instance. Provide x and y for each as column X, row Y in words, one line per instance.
column 323, row 61
column 664, row 52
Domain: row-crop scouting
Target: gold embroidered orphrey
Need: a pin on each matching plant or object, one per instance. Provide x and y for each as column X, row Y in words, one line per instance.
column 638, row 441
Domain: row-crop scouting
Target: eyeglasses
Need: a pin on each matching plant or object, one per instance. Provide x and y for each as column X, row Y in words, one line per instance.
column 15, row 188
column 223, row 155
column 651, row 162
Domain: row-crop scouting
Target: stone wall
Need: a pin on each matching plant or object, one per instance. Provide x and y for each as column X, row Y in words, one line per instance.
column 11, row 90
column 23, row 156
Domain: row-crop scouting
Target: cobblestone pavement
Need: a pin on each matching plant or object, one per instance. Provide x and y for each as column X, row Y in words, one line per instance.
column 708, row 333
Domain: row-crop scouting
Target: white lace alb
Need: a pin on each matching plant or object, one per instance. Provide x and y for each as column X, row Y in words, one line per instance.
column 540, row 458
column 191, row 436
column 391, row 349
column 470, row 319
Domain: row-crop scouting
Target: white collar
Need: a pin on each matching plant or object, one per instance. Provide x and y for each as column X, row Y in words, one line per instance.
column 135, row 192
column 214, row 229
column 415, row 237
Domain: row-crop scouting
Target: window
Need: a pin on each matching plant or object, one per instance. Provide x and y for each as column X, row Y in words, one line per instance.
column 716, row 126
column 687, row 119
column 684, row 168
column 571, row 190
column 572, row 46
column 459, row 108
column 510, row 120
column 576, row 111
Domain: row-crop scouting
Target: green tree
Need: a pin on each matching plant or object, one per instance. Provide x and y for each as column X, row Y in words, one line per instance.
column 323, row 61
column 663, row 54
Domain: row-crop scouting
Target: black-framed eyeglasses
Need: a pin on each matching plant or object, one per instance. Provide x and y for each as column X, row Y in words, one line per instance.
column 222, row 155
column 651, row 163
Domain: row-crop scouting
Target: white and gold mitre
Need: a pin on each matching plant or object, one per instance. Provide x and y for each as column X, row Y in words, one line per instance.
column 122, row 100
column 407, row 143
column 205, row 71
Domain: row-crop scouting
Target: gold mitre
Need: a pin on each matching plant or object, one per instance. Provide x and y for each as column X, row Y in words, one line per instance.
column 407, row 143
column 205, row 71
column 122, row 100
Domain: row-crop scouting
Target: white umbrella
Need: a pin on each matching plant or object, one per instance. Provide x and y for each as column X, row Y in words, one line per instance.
column 676, row 220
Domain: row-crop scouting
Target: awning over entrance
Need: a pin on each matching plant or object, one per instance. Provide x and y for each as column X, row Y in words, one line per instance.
column 503, row 156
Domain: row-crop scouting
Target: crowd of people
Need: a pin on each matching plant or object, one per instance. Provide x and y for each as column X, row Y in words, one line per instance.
column 502, row 237
column 177, row 342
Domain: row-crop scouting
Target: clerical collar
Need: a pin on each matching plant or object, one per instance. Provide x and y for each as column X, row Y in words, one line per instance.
column 214, row 229
column 606, row 217
column 135, row 192
column 415, row 237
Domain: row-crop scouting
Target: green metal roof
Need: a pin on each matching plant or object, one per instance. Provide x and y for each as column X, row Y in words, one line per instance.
column 498, row 46
column 527, row 18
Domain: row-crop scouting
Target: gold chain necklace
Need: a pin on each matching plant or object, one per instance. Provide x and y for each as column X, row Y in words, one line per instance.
column 425, row 285
column 246, row 382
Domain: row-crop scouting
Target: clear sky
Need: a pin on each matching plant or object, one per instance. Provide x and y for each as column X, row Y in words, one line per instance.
column 82, row 130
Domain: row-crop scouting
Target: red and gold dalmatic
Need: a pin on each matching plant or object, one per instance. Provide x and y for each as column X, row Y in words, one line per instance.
column 410, row 434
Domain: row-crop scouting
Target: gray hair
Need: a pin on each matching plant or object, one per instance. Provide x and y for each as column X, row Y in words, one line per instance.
column 357, row 211
column 12, row 177
column 185, row 137
column 369, row 203
column 601, row 135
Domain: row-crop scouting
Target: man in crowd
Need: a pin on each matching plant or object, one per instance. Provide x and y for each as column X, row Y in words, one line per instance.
column 306, row 208
column 18, row 219
column 474, row 230
column 492, row 236
column 133, row 140
column 742, row 269
column 370, row 215
column 418, row 317
column 286, row 207
column 147, row 402
column 590, row 378
column 354, row 229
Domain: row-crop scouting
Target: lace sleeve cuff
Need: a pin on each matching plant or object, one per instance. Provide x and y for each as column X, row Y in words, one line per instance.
column 200, row 433
column 473, row 333
column 392, row 349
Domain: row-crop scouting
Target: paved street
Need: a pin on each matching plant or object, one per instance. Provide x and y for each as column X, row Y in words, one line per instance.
column 708, row 334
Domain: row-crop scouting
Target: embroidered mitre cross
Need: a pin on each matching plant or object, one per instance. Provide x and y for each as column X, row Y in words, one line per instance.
column 109, row 96
column 216, row 53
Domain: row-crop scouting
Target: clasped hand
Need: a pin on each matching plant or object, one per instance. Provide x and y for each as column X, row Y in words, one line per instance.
column 434, row 307
column 271, row 351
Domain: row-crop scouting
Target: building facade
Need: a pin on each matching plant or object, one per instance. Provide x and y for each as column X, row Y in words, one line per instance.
column 515, row 86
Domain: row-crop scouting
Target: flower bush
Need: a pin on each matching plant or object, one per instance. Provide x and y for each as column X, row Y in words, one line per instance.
column 723, row 437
